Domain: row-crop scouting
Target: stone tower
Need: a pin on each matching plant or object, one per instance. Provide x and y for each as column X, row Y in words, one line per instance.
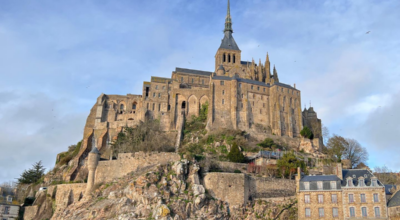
column 228, row 54
column 93, row 160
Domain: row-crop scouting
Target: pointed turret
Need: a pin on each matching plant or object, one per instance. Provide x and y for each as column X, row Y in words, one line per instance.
column 267, row 70
column 276, row 79
column 228, row 42
column 260, row 72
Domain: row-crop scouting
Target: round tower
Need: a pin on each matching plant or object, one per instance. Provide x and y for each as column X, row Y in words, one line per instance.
column 221, row 70
column 93, row 160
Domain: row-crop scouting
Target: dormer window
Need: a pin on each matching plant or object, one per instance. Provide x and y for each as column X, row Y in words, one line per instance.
column 349, row 182
column 320, row 185
column 333, row 185
column 374, row 182
column 307, row 186
column 361, row 182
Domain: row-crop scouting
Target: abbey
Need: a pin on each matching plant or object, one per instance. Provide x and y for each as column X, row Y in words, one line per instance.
column 239, row 95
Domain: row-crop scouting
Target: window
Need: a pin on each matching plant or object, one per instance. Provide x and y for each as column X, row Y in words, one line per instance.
column 362, row 197
column 224, row 58
column 321, row 198
column 154, row 94
column 262, row 97
column 222, row 83
column 334, row 198
column 156, row 86
column 258, row 88
column 319, row 184
column 134, row 105
column 364, row 211
column 240, row 85
column 251, row 87
column 253, row 103
column 229, row 58
column 147, row 106
column 351, row 198
column 307, row 186
column 281, row 89
column 376, row 198
column 7, row 210
column 223, row 92
column 234, row 58
column 169, row 107
column 202, row 81
column 335, row 212
column 163, row 87
column 223, row 101
column 321, row 212
column 349, row 182
column 263, row 105
column 306, row 198
column 361, row 182
column 377, row 212
column 147, row 91
column 333, row 185
column 241, row 105
column 264, row 89
column 159, row 107
column 154, row 106
column 308, row 212
column 159, row 95
column 192, row 80
column 181, row 79
column 374, row 182
column 352, row 212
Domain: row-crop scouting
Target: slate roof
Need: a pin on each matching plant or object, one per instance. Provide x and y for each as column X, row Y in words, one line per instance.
column 222, row 77
column 245, row 62
column 395, row 200
column 190, row 71
column 355, row 173
column 94, row 150
column 388, row 188
column 228, row 42
column 319, row 178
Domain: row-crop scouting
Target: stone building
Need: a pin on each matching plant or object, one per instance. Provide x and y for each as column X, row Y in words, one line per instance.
column 394, row 206
column 239, row 94
column 352, row 194
column 8, row 211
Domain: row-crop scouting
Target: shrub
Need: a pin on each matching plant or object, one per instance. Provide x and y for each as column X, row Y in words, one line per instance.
column 235, row 155
column 237, row 171
column 268, row 142
column 307, row 133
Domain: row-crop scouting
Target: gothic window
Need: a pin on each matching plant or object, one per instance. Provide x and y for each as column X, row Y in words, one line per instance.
column 229, row 58
column 223, row 92
column 234, row 58
column 224, row 58
column 222, row 83
column 134, row 105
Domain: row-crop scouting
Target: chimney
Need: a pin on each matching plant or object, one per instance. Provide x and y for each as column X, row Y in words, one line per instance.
column 295, row 85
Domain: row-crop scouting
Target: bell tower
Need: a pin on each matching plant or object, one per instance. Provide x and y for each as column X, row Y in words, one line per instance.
column 228, row 54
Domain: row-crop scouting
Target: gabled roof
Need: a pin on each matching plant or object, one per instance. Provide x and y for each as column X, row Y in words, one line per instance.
column 395, row 200
column 190, row 71
column 228, row 42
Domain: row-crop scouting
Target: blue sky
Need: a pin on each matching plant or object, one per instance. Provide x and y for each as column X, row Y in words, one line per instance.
column 57, row 57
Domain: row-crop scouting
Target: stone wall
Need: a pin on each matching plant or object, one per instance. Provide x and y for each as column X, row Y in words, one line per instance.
column 231, row 167
column 265, row 187
column 128, row 162
column 66, row 194
column 237, row 188
column 229, row 187
column 30, row 211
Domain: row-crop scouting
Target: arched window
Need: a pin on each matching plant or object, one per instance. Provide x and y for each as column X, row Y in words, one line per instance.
column 153, row 106
column 183, row 104
column 134, row 105
column 224, row 58
column 234, row 58
column 229, row 58
column 121, row 107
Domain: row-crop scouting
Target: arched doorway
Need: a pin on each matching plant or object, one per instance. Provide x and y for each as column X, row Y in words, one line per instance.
column 183, row 105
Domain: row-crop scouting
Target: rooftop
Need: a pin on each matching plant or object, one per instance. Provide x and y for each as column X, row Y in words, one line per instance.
column 395, row 200
column 320, row 178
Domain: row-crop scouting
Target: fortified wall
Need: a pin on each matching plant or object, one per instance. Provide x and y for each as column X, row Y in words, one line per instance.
column 237, row 189
column 109, row 170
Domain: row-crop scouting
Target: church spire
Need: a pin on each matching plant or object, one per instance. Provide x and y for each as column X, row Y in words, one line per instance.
column 228, row 20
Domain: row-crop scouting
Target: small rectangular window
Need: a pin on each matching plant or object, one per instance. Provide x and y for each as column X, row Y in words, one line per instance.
column 159, row 95
column 319, row 184
column 223, row 101
column 258, row 88
column 223, row 92
column 153, row 106
column 321, row 212
column 320, row 198
column 362, row 197
column 181, row 79
column 147, row 106
column 376, row 198
column 377, row 212
column 334, row 198
column 163, row 87
column 307, row 185
column 308, row 212
column 352, row 212
column 364, row 211
column 159, row 107
column 351, row 198
column 333, row 185
column 202, row 81
column 154, row 94
column 264, row 89
column 222, row 83
column 335, row 212
column 306, row 198
column 251, row 87
column 192, row 80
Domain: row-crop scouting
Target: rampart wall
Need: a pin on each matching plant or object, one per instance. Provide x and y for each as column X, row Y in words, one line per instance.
column 129, row 162
column 238, row 188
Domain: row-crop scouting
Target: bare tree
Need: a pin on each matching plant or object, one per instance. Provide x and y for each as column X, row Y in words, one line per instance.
column 354, row 152
column 325, row 133
column 385, row 175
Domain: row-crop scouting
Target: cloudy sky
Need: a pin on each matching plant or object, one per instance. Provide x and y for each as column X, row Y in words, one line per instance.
column 57, row 57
